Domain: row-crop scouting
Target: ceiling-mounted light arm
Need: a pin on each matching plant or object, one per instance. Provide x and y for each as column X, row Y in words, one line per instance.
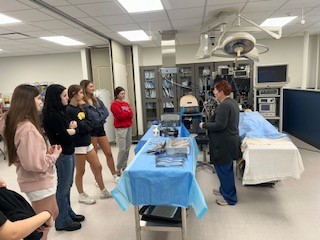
column 276, row 36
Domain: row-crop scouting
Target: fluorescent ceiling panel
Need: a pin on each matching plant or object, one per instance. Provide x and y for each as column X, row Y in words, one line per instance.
column 136, row 35
column 135, row 6
column 63, row 40
column 277, row 22
column 4, row 19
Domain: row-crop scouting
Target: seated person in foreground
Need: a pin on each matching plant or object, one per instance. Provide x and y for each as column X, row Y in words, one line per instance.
column 17, row 218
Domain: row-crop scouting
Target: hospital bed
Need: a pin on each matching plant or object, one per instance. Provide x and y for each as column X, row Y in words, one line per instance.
column 269, row 155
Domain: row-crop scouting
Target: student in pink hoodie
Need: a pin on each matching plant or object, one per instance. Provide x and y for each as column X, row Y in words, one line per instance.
column 28, row 150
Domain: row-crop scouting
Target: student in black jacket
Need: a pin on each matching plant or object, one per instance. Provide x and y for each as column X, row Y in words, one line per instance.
column 224, row 142
column 60, row 130
column 84, row 149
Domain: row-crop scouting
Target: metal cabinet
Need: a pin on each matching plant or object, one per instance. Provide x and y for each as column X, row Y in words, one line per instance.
column 159, row 94
column 240, row 76
column 269, row 102
column 203, row 75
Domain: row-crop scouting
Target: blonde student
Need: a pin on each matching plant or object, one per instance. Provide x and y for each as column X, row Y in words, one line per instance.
column 98, row 114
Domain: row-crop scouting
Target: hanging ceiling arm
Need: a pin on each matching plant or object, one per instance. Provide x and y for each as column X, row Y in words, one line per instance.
column 275, row 35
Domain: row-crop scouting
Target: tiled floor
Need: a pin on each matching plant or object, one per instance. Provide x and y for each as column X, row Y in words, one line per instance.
column 289, row 211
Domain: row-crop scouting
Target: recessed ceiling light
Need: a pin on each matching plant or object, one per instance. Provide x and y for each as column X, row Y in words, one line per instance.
column 63, row 40
column 141, row 5
column 4, row 19
column 136, row 35
column 277, row 22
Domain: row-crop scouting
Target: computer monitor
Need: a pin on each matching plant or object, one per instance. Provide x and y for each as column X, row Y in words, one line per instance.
column 272, row 75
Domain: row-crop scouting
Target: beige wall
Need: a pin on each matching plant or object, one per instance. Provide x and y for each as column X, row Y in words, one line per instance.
column 285, row 50
column 64, row 69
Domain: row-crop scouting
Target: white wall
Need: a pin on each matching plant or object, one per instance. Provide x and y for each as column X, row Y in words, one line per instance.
column 285, row 50
column 64, row 69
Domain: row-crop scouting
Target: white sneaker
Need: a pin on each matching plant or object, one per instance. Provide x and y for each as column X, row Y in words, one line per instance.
column 105, row 194
column 115, row 178
column 84, row 198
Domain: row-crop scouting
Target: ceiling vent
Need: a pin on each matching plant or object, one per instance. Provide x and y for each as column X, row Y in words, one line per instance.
column 168, row 49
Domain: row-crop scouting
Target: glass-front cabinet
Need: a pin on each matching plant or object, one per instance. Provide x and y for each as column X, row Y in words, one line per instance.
column 150, row 94
column 160, row 94
column 185, row 82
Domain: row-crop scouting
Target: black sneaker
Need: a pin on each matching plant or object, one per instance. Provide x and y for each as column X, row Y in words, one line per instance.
column 78, row 218
column 74, row 226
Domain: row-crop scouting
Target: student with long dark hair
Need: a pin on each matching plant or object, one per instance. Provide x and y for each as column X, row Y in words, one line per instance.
column 98, row 114
column 28, row 151
column 84, row 149
column 60, row 130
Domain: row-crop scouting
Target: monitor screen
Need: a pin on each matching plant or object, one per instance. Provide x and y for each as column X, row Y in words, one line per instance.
column 265, row 107
column 276, row 74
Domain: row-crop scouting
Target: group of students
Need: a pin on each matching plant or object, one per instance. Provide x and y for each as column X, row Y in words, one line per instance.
column 73, row 120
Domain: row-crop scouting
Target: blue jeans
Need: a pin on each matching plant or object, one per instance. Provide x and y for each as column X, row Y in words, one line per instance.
column 65, row 169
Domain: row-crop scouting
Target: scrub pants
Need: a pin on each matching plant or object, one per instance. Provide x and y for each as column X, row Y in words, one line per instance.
column 65, row 169
column 227, row 185
column 124, row 139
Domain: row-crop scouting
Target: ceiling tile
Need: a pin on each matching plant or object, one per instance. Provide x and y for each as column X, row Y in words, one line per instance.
column 124, row 27
column 301, row 4
column 73, row 11
column 57, row 2
column 30, row 15
column 117, row 19
column 186, row 22
column 68, row 32
column 146, row 17
column 49, row 25
column 90, row 22
column 9, row 5
column 177, row 4
column 22, row 27
column 260, row 6
column 101, row 9
column 186, row 13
